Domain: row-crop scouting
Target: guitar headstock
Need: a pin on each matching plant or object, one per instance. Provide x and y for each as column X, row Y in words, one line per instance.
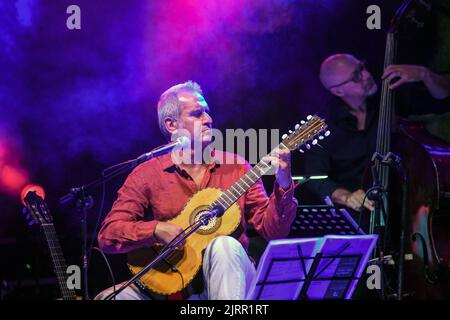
column 37, row 209
column 306, row 133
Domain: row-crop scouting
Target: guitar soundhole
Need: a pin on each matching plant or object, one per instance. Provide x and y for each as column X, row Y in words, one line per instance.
column 213, row 224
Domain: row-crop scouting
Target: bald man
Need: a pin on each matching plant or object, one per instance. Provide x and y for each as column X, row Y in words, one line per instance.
column 354, row 121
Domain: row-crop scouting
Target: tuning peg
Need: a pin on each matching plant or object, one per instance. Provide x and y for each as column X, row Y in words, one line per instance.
column 308, row 146
column 297, row 126
column 30, row 223
column 309, row 117
column 24, row 210
column 301, row 150
column 28, row 217
column 303, row 122
column 314, row 142
column 321, row 137
column 327, row 133
column 290, row 131
column 284, row 136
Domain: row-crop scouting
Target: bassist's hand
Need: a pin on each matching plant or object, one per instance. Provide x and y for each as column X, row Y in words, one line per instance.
column 353, row 200
column 166, row 232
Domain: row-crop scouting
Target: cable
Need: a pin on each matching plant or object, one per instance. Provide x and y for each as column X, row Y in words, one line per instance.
column 113, row 279
column 97, row 223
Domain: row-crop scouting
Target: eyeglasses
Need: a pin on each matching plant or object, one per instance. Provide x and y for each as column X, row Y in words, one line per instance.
column 356, row 76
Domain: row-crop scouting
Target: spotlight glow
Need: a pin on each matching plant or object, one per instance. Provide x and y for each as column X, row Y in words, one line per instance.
column 32, row 187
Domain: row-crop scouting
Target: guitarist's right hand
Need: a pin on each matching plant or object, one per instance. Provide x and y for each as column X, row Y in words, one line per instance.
column 166, row 232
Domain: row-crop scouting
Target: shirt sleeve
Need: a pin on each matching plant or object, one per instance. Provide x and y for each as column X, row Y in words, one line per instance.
column 270, row 216
column 318, row 162
column 124, row 228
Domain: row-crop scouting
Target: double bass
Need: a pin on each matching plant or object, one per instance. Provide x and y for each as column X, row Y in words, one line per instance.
column 417, row 198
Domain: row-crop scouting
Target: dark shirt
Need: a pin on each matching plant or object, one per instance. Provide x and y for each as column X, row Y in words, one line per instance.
column 346, row 153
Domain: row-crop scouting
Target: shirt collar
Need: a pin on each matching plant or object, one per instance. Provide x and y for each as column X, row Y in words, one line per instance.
column 168, row 165
column 343, row 117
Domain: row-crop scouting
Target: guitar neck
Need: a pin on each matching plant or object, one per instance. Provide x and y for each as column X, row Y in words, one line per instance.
column 58, row 260
column 241, row 186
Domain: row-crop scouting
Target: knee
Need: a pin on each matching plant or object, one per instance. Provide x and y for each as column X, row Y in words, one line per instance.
column 102, row 295
column 226, row 242
column 226, row 246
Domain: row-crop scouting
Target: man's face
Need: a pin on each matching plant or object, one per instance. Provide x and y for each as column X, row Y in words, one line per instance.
column 195, row 118
column 351, row 79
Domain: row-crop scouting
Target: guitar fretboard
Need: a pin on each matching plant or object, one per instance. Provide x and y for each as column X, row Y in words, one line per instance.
column 241, row 186
column 58, row 261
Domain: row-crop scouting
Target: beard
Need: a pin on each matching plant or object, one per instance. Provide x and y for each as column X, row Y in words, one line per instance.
column 370, row 87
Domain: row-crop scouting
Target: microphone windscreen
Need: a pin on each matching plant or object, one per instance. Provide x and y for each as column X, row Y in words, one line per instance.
column 184, row 142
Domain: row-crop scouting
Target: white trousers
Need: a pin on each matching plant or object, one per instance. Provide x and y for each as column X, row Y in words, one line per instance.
column 227, row 270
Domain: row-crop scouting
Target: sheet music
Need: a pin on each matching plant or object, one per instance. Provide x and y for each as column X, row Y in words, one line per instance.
column 286, row 276
column 354, row 245
column 281, row 273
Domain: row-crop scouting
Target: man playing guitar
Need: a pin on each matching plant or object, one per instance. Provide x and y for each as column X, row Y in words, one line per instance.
column 158, row 190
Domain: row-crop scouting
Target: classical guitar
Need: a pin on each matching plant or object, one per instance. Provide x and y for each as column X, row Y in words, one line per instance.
column 40, row 214
column 181, row 266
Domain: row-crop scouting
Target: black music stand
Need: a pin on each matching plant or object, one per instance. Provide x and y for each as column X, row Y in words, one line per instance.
column 321, row 220
column 314, row 268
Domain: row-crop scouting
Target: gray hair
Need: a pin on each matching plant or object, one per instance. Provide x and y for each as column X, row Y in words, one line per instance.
column 169, row 106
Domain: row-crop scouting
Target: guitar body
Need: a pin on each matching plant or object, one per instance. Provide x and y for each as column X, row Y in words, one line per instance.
column 426, row 161
column 188, row 261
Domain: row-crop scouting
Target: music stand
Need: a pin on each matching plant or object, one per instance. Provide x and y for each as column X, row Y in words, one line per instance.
column 320, row 220
column 312, row 268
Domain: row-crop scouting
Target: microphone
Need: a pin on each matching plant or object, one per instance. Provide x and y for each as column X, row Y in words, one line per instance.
column 181, row 142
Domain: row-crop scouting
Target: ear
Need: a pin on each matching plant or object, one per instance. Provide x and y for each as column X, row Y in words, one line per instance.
column 338, row 92
column 170, row 124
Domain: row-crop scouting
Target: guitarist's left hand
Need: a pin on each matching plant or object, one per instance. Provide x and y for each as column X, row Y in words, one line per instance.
column 281, row 160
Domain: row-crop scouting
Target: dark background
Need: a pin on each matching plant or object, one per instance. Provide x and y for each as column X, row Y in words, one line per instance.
column 73, row 102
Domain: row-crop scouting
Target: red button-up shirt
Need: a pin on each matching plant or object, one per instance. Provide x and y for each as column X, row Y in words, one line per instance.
column 164, row 188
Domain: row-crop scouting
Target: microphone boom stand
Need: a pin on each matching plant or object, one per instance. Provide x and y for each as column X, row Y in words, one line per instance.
column 203, row 220
column 84, row 201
